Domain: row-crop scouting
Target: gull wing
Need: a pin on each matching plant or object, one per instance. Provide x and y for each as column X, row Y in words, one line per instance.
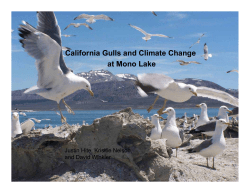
column 47, row 24
column 46, row 51
column 217, row 95
column 210, row 126
column 139, row 29
column 154, row 13
column 85, row 24
column 205, row 144
column 194, row 62
column 69, row 26
column 182, row 61
column 83, row 16
column 160, row 35
column 152, row 82
column 102, row 16
column 205, row 49
column 233, row 71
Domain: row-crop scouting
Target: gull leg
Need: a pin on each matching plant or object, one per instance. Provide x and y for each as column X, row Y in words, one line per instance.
column 176, row 151
column 162, row 108
column 151, row 107
column 69, row 109
column 213, row 162
column 207, row 162
column 63, row 119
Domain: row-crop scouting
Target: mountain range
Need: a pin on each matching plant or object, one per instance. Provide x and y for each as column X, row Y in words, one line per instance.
column 113, row 92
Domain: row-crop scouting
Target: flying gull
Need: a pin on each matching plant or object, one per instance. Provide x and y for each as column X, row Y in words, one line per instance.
column 234, row 70
column 39, row 120
column 167, row 88
column 15, row 125
column 67, row 36
column 209, row 127
column 147, row 35
column 170, row 131
column 198, row 41
column 78, row 25
column 206, row 55
column 55, row 79
column 182, row 62
column 156, row 131
column 154, row 13
column 93, row 18
column 213, row 146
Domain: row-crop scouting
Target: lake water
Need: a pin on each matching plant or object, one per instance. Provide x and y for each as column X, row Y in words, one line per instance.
column 91, row 115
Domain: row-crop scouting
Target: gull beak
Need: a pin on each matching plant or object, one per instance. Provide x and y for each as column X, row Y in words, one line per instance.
column 90, row 92
column 164, row 112
column 227, row 123
column 197, row 105
column 195, row 93
column 229, row 111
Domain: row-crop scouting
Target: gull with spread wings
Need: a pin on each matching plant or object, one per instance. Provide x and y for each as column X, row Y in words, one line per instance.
column 168, row 89
column 147, row 35
column 93, row 18
column 55, row 79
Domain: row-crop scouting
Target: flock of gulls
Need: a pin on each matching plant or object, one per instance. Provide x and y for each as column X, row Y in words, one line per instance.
column 56, row 81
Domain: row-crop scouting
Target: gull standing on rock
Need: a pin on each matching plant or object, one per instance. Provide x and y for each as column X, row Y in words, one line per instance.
column 156, row 131
column 55, row 79
column 147, row 35
column 213, row 146
column 167, row 88
column 93, row 18
column 15, row 125
column 171, row 131
column 77, row 25
column 209, row 127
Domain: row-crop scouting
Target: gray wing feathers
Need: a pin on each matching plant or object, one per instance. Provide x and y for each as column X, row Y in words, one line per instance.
column 47, row 24
column 158, row 81
column 203, row 145
column 217, row 95
column 102, row 16
column 210, row 126
column 85, row 16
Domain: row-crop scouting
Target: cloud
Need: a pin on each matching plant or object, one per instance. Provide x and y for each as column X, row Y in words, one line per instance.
column 177, row 15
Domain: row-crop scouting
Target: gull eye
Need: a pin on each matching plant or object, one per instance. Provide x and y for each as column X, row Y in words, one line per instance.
column 87, row 86
column 189, row 88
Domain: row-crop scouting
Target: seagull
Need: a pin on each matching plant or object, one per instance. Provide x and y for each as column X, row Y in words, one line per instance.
column 182, row 62
column 154, row 13
column 65, row 48
column 39, row 120
column 55, row 79
column 93, row 18
column 167, row 88
column 147, row 35
column 206, row 55
column 27, row 126
column 233, row 71
column 170, row 131
column 156, row 131
column 203, row 119
column 209, row 127
column 193, row 125
column 198, row 41
column 78, row 25
column 23, row 114
column 67, row 36
column 213, row 146
column 15, row 125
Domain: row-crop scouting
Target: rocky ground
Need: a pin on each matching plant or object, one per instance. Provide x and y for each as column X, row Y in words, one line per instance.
column 51, row 154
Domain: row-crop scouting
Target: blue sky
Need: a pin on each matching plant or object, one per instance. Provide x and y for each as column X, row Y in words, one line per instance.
column 221, row 36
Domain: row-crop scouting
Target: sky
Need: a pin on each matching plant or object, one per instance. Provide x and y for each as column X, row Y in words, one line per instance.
column 221, row 37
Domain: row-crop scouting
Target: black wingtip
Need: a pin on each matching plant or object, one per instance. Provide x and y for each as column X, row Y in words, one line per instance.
column 75, row 18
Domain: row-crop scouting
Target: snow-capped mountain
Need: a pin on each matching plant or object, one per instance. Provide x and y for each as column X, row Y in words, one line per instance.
column 126, row 76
